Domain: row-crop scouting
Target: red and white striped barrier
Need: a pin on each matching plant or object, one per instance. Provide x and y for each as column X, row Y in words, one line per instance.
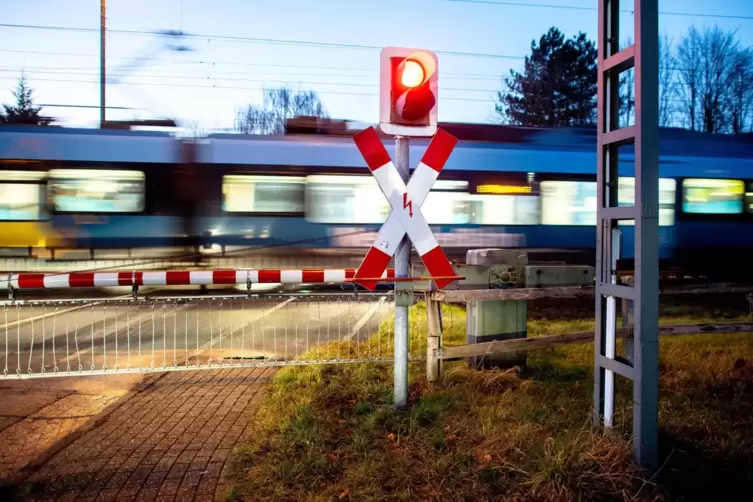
column 184, row 278
column 406, row 201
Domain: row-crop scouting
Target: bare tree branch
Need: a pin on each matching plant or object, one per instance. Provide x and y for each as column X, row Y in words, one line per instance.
column 196, row 129
column 626, row 92
column 709, row 65
column 278, row 106
column 668, row 90
column 689, row 59
column 741, row 92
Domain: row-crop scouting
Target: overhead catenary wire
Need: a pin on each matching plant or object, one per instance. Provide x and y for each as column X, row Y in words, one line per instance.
column 321, row 44
column 194, row 86
column 446, row 76
column 237, row 38
column 504, row 3
column 209, row 78
column 372, row 75
column 214, row 63
column 235, row 79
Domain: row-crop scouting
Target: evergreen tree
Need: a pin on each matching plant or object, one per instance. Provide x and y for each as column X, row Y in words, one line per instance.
column 557, row 86
column 24, row 111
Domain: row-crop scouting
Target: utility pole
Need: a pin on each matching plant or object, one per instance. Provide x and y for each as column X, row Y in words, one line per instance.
column 102, row 28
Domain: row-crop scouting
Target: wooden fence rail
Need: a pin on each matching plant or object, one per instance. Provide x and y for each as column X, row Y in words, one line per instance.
column 466, row 295
column 543, row 342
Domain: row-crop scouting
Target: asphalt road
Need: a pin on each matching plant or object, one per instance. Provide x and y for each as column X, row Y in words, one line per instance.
column 152, row 334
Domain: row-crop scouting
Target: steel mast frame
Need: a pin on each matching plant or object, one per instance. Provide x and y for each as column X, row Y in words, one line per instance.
column 642, row 362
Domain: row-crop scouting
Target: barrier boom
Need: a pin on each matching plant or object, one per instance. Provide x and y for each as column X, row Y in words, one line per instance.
column 186, row 278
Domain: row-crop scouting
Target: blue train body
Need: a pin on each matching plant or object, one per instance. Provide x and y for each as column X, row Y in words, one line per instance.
column 514, row 187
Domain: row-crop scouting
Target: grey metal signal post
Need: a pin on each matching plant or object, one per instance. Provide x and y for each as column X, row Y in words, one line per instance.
column 402, row 269
column 642, row 366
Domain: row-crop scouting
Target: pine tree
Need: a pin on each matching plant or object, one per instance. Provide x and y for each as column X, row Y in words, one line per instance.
column 24, row 111
column 557, row 86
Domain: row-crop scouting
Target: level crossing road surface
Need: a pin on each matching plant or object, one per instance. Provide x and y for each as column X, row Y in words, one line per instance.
column 72, row 336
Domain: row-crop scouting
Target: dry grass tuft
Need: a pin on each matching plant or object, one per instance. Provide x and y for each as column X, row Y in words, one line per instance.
column 490, row 381
column 329, row 432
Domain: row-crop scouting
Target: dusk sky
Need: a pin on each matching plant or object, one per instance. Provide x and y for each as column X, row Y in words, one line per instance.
column 330, row 46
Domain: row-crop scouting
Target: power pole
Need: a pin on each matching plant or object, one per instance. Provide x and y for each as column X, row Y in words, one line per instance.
column 640, row 362
column 102, row 28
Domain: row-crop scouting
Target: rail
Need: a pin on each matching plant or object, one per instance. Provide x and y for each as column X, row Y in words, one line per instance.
column 544, row 342
column 466, row 295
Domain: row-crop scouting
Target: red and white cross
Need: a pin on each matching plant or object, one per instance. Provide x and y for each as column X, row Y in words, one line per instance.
column 406, row 202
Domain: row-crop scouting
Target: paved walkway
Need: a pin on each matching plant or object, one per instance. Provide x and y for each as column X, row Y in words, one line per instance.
column 167, row 440
column 40, row 416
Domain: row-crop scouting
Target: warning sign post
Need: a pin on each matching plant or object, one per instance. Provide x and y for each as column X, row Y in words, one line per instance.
column 406, row 224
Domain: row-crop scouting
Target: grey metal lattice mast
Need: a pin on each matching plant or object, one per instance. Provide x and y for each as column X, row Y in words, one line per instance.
column 642, row 365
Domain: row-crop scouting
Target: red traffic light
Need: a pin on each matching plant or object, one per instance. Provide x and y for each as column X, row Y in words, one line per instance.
column 408, row 92
column 411, row 73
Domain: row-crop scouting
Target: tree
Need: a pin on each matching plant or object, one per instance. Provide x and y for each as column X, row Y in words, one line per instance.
column 667, row 86
column 711, row 90
column 741, row 92
column 667, row 82
column 689, row 63
column 278, row 105
column 557, row 86
column 719, row 55
column 626, row 92
column 24, row 112
column 196, row 129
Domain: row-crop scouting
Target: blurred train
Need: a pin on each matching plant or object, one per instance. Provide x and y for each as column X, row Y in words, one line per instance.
column 502, row 187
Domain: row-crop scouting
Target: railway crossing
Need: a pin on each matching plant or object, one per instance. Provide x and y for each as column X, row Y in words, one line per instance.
column 408, row 107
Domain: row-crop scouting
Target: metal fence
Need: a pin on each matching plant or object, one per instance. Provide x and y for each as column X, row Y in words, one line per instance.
column 122, row 335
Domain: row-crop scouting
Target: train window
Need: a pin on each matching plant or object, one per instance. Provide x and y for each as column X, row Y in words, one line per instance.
column 262, row 194
column 568, row 202
column 345, row 199
column 504, row 209
column 667, row 190
column 447, row 208
column 450, row 186
column 97, row 191
column 712, row 196
column 21, row 195
column 358, row 200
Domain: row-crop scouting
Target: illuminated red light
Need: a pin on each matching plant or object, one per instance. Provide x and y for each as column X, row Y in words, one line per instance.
column 408, row 91
column 412, row 73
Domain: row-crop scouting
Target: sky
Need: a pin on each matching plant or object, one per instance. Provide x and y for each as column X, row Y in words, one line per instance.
column 239, row 47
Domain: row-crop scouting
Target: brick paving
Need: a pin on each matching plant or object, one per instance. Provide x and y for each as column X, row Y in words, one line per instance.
column 168, row 442
column 38, row 417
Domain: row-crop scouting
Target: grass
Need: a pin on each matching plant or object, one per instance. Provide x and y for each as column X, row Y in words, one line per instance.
column 329, row 432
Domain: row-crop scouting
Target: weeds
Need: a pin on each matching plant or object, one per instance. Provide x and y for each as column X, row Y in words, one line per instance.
column 329, row 433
